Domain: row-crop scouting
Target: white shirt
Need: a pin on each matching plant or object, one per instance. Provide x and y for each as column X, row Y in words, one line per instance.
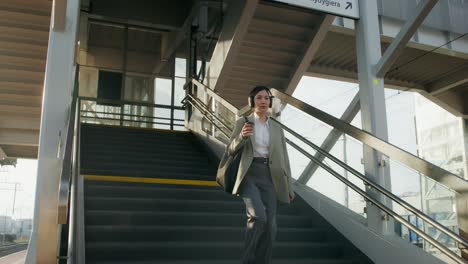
column 262, row 137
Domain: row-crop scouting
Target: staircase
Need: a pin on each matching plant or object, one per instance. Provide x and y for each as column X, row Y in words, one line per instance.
column 171, row 223
column 116, row 151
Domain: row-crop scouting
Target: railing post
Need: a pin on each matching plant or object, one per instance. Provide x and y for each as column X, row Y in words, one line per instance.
column 212, row 106
column 462, row 217
column 122, row 109
column 190, row 107
column 462, row 198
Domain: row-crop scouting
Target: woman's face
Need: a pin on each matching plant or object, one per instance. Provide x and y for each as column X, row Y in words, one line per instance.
column 262, row 102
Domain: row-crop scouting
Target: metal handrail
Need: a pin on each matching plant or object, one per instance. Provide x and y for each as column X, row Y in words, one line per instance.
column 130, row 120
column 121, row 103
column 379, row 188
column 426, row 168
column 65, row 177
column 67, row 200
column 126, row 102
column 131, row 115
column 384, row 208
column 216, row 96
column 206, row 116
column 197, row 101
column 76, row 242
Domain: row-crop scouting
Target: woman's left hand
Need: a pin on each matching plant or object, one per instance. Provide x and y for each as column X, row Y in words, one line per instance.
column 292, row 197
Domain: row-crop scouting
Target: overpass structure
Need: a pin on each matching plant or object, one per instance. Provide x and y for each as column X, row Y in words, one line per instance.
column 229, row 46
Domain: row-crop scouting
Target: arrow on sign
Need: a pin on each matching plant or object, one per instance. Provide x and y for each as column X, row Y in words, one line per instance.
column 349, row 5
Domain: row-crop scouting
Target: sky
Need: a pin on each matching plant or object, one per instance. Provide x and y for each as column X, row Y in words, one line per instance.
column 25, row 176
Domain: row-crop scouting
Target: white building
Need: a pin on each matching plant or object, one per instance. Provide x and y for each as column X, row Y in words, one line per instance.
column 22, row 228
column 442, row 138
column 6, row 224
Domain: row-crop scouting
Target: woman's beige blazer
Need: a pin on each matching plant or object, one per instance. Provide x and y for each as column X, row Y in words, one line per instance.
column 280, row 169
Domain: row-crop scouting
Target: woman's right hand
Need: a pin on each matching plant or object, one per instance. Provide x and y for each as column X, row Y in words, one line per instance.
column 247, row 130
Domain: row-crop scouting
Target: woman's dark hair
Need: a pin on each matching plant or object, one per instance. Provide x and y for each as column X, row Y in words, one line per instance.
column 258, row 89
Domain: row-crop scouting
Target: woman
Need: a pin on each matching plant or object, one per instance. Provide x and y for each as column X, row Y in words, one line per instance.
column 264, row 175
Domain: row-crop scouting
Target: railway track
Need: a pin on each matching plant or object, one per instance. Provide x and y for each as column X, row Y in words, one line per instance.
column 10, row 249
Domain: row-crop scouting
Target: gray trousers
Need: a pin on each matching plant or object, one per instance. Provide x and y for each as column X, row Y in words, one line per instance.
column 258, row 192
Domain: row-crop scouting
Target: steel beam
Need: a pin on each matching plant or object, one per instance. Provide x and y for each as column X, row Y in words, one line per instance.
column 232, row 34
column 449, row 82
column 171, row 40
column 349, row 75
column 306, row 57
column 398, row 44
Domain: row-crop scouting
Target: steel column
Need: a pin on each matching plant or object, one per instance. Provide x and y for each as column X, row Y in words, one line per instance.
column 58, row 86
column 372, row 100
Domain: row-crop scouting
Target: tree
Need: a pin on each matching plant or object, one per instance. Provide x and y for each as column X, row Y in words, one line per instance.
column 8, row 162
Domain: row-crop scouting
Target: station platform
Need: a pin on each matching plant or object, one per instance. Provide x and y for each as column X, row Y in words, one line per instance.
column 15, row 258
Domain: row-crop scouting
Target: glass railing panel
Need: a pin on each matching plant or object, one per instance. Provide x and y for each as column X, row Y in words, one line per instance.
column 316, row 132
column 225, row 120
column 138, row 116
column 435, row 200
column 440, row 205
column 432, row 198
column 223, row 117
column 309, row 127
column 179, row 120
column 131, row 115
column 162, row 117
column 297, row 160
column 200, row 94
column 351, row 153
column 92, row 112
column 438, row 202
column 324, row 182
